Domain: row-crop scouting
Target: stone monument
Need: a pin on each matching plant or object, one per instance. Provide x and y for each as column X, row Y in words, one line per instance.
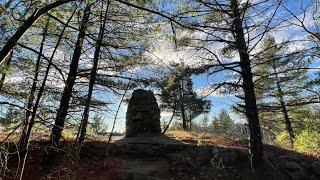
column 143, row 114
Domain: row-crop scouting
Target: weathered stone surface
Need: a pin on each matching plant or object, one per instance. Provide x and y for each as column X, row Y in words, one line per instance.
column 315, row 168
column 143, row 169
column 143, row 114
column 292, row 168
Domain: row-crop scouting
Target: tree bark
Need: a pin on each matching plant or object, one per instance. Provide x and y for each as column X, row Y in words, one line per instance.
column 4, row 74
column 26, row 25
column 251, row 109
column 67, row 91
column 92, row 80
column 190, row 123
column 167, row 127
column 184, row 120
column 182, row 108
column 41, row 89
column 23, row 139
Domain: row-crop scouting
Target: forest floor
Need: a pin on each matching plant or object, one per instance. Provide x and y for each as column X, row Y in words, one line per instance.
column 178, row 155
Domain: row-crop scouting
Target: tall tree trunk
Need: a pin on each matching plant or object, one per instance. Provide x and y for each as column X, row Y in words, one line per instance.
column 23, row 139
column 4, row 74
column 283, row 106
column 92, row 80
column 26, row 25
column 251, row 109
column 190, row 124
column 173, row 113
column 183, row 115
column 41, row 90
column 182, row 108
column 67, row 91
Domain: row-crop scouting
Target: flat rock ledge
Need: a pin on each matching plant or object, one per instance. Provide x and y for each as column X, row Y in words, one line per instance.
column 166, row 147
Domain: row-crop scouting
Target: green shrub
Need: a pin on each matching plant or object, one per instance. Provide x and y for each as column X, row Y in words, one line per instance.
column 90, row 131
column 283, row 139
column 307, row 141
column 10, row 127
column 68, row 134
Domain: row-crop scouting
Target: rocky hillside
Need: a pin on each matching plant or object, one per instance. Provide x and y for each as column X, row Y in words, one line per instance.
column 177, row 155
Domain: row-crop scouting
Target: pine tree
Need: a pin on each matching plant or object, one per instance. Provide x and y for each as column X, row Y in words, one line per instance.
column 222, row 124
column 226, row 24
column 97, row 124
column 67, row 91
column 177, row 95
column 93, row 75
column 280, row 81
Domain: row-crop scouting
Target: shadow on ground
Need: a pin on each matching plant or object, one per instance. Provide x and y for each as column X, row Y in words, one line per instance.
column 164, row 157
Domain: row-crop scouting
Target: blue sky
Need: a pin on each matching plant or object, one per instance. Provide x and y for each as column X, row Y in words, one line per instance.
column 220, row 101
